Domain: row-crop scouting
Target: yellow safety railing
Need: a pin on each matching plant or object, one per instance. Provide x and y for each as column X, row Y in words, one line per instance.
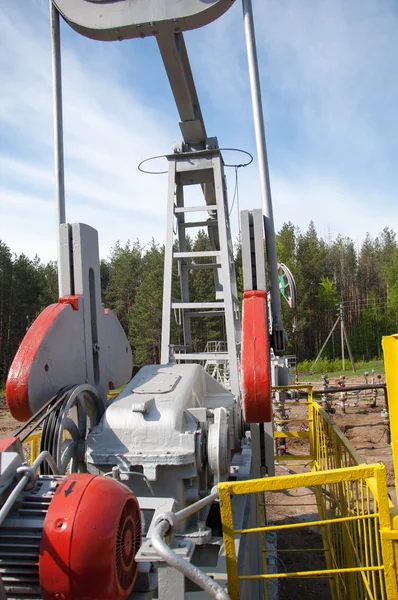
column 32, row 443
column 357, row 533
column 355, row 515
column 294, row 423
column 331, row 448
column 390, row 349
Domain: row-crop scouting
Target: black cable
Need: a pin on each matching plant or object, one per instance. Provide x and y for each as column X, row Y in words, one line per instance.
column 236, row 197
column 235, row 191
column 50, row 434
column 385, row 431
column 237, row 200
column 152, row 172
column 239, row 166
column 242, row 165
column 50, row 405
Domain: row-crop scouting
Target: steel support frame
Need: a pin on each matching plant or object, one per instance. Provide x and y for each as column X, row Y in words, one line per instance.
column 202, row 168
column 254, row 278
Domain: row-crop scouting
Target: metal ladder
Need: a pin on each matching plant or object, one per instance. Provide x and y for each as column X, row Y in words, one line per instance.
column 204, row 168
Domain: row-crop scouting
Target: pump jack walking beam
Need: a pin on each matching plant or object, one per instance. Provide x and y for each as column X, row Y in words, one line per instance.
column 111, row 21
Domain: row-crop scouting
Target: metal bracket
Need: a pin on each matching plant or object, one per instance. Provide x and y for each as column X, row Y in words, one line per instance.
column 182, row 547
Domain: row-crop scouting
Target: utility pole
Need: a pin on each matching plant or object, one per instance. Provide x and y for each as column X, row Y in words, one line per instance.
column 325, row 342
column 342, row 335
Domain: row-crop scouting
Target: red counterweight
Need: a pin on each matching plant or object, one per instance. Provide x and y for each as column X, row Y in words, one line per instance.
column 256, row 359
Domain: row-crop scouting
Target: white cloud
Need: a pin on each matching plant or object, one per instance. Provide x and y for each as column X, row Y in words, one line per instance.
column 335, row 59
column 329, row 64
column 333, row 206
column 108, row 131
column 329, row 204
column 330, row 98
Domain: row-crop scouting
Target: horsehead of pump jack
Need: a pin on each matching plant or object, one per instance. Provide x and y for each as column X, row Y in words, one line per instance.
column 126, row 19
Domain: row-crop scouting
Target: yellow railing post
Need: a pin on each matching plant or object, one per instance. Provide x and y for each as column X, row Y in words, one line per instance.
column 229, row 543
column 311, row 421
column 390, row 350
column 261, row 519
column 390, row 567
column 33, row 441
column 327, row 540
column 345, row 511
column 297, row 434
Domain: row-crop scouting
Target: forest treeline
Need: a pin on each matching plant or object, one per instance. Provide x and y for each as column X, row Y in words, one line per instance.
column 327, row 272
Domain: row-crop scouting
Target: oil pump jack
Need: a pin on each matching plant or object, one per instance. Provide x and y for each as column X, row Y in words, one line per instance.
column 126, row 502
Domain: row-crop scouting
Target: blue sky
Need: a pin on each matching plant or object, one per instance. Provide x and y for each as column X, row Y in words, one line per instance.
column 330, row 95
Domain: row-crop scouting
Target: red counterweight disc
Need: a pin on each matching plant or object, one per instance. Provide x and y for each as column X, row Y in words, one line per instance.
column 17, row 386
column 26, row 376
column 91, row 535
column 256, row 359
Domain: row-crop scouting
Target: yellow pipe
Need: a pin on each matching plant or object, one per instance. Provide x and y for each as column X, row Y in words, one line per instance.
column 306, row 524
column 319, row 573
column 274, row 484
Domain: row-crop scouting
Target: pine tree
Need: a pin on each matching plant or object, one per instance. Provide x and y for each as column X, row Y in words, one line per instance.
column 204, row 329
column 5, row 308
column 145, row 319
column 48, row 284
column 124, row 277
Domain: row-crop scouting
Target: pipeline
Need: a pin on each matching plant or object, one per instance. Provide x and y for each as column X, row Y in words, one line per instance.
column 349, row 388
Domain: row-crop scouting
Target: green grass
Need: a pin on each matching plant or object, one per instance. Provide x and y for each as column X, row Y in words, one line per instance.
column 360, row 367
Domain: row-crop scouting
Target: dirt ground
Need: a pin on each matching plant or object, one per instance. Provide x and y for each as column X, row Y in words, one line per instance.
column 7, row 424
column 301, row 549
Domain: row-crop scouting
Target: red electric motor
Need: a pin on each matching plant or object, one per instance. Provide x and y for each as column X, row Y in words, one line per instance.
column 91, row 535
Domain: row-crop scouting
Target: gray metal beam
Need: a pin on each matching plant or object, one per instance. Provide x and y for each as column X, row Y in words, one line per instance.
column 175, row 58
column 125, row 19
column 253, row 261
column 201, row 305
column 247, row 262
column 58, row 128
column 168, row 268
column 197, row 254
column 185, row 209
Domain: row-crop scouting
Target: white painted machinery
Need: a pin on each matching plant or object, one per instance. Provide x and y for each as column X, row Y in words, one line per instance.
column 125, row 505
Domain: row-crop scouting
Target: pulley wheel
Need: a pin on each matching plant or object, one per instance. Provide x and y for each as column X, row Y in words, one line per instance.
column 66, row 428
